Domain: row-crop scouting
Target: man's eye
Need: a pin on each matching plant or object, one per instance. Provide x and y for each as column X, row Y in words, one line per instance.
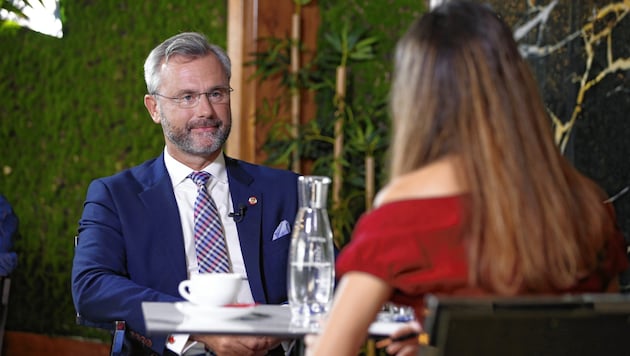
column 187, row 98
column 216, row 94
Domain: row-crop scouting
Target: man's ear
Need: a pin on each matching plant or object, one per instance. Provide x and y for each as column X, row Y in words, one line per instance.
column 152, row 107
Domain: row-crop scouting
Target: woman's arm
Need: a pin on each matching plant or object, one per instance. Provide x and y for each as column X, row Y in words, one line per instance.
column 358, row 300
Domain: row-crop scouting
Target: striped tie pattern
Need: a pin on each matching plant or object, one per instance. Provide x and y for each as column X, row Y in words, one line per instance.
column 210, row 246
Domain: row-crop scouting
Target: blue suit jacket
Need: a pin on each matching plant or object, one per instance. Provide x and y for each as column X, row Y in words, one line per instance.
column 131, row 248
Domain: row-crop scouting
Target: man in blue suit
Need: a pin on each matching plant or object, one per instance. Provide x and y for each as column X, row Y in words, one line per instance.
column 136, row 240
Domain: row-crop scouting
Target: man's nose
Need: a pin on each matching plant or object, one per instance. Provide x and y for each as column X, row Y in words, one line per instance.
column 205, row 107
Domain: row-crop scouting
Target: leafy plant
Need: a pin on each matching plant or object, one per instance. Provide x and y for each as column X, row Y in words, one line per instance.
column 347, row 137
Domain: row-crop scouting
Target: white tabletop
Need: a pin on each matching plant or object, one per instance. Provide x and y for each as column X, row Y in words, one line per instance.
column 269, row 320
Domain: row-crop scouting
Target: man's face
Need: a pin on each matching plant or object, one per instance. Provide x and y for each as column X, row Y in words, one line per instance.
column 199, row 131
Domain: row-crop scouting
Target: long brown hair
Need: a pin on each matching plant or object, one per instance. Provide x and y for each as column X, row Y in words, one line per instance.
column 461, row 87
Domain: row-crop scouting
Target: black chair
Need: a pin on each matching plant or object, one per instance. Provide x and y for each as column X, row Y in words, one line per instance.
column 576, row 325
column 5, row 286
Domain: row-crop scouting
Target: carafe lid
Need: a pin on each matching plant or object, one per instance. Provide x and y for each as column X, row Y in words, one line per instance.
column 313, row 191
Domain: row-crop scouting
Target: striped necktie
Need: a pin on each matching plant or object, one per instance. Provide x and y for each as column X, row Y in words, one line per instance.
column 210, row 246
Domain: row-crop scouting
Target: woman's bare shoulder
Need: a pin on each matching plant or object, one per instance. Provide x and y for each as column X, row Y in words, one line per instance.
column 434, row 180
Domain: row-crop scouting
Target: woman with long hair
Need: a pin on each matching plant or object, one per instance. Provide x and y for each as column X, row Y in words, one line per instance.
column 480, row 199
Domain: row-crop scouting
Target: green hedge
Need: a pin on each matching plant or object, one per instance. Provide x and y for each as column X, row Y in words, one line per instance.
column 72, row 110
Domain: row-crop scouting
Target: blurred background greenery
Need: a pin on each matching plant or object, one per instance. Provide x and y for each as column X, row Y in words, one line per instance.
column 72, row 110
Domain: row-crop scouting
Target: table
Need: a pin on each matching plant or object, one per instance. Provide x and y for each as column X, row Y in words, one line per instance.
column 261, row 320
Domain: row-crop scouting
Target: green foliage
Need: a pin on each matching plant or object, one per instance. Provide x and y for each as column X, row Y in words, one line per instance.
column 301, row 2
column 350, row 44
column 9, row 6
column 72, row 110
column 361, row 35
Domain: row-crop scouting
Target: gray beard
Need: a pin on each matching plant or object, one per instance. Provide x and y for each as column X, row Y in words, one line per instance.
column 184, row 141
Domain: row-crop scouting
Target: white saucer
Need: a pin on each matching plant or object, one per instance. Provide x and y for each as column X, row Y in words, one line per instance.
column 229, row 312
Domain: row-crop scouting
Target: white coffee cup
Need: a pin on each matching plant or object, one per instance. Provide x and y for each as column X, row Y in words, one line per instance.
column 211, row 289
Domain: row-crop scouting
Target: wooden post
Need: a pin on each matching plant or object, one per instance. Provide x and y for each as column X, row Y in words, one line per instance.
column 241, row 40
column 340, row 99
column 370, row 180
column 295, row 91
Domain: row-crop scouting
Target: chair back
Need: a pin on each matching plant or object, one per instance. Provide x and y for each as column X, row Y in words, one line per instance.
column 576, row 325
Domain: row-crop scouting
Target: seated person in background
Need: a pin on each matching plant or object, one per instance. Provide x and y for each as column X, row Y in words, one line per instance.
column 480, row 200
column 8, row 230
column 136, row 235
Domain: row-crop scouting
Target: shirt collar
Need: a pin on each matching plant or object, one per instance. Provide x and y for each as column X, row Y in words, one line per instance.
column 179, row 171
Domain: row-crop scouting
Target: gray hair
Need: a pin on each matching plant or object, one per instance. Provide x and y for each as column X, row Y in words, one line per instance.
column 190, row 45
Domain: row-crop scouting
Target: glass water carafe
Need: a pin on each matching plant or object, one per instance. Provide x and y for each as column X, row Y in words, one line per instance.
column 311, row 260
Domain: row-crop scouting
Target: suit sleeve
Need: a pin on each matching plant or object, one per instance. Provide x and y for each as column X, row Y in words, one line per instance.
column 102, row 289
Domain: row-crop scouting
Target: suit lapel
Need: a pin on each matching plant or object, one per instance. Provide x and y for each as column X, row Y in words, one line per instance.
column 249, row 226
column 159, row 200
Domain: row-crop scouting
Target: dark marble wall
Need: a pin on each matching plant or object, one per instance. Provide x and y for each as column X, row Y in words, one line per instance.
column 579, row 51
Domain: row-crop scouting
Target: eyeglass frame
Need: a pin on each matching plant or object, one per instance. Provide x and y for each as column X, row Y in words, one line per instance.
column 179, row 100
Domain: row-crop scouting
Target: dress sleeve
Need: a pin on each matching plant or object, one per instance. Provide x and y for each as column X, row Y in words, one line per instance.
column 385, row 244
column 414, row 246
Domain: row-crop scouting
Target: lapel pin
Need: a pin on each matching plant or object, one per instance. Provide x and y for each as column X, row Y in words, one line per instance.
column 252, row 201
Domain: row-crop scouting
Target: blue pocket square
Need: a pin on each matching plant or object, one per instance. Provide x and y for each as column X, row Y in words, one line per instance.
column 283, row 229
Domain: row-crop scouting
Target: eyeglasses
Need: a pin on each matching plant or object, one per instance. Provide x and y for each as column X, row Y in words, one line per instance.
column 218, row 95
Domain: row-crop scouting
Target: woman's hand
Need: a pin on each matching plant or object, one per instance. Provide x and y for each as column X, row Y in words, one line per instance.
column 401, row 343
column 309, row 342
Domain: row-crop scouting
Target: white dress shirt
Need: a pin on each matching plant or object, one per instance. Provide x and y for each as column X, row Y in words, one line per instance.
column 185, row 194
